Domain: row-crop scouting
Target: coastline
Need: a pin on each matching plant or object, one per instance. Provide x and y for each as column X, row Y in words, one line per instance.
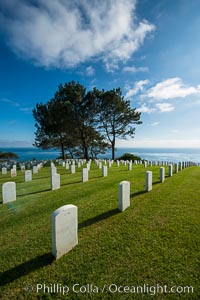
column 154, row 154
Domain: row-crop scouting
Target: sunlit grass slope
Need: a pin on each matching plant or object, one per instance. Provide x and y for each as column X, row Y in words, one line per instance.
column 154, row 242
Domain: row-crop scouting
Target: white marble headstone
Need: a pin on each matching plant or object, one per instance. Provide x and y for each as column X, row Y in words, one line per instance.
column 55, row 181
column 9, row 192
column 148, row 181
column 105, row 171
column 162, row 174
column 4, row 171
column 170, row 167
column 28, row 175
column 84, row 174
column 13, row 172
column 53, row 170
column 73, row 169
column 35, row 169
column 64, row 229
column 124, row 195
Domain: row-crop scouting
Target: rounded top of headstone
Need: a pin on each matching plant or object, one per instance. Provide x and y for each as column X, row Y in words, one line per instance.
column 8, row 183
column 124, row 182
column 62, row 209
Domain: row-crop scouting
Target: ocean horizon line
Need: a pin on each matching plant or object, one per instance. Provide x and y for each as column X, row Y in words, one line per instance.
column 159, row 154
column 117, row 147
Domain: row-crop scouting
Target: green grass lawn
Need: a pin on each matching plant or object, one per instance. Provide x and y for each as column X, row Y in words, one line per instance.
column 155, row 242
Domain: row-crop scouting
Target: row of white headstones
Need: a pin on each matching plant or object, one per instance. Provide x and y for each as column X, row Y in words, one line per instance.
column 13, row 171
column 99, row 163
column 55, row 178
column 9, row 188
column 65, row 218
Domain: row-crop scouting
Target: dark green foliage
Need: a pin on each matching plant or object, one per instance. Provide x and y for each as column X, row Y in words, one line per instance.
column 129, row 156
column 82, row 123
column 8, row 155
column 68, row 121
column 117, row 118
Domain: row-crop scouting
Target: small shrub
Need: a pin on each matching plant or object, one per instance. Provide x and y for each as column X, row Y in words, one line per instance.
column 129, row 156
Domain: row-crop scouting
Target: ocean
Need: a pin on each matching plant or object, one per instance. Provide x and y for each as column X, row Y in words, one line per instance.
column 154, row 154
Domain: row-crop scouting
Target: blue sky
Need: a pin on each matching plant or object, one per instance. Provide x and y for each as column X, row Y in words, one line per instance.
column 149, row 48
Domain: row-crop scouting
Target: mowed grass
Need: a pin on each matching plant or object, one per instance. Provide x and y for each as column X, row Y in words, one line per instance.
column 154, row 242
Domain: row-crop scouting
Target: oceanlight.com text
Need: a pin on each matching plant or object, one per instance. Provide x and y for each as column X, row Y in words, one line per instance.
column 149, row 289
column 43, row 288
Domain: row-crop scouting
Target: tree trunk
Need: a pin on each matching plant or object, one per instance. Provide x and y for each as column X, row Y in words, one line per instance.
column 63, row 151
column 70, row 152
column 85, row 149
column 113, row 150
column 86, row 153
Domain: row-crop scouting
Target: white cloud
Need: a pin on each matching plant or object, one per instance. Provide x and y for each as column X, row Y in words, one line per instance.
column 135, row 70
column 59, row 33
column 26, row 109
column 145, row 109
column 10, row 102
column 154, row 124
column 90, row 71
column 164, row 107
column 159, row 107
column 159, row 143
column 138, row 87
column 171, row 88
